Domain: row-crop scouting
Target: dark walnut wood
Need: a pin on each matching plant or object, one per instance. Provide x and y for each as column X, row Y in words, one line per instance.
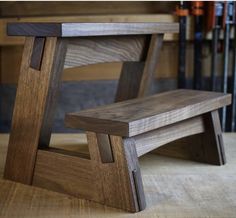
column 104, row 145
column 130, row 80
column 84, row 51
column 206, row 147
column 33, row 109
column 122, row 185
column 89, row 29
column 118, row 133
column 136, row 78
column 37, row 53
column 141, row 115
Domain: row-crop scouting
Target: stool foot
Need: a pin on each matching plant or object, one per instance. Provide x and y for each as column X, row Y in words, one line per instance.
column 121, row 179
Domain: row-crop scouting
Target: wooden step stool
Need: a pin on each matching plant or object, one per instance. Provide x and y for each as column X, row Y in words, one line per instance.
column 120, row 133
column 110, row 174
column 48, row 49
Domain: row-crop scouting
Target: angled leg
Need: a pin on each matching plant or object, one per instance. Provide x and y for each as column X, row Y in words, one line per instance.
column 121, row 179
column 41, row 61
column 129, row 82
column 206, row 147
column 212, row 140
column 53, row 93
column 150, row 64
column 136, row 78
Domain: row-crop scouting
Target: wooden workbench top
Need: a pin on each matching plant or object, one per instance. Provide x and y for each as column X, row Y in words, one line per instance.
column 90, row 29
column 173, row 187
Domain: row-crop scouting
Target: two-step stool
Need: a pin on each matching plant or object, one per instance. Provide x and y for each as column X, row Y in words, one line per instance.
column 117, row 134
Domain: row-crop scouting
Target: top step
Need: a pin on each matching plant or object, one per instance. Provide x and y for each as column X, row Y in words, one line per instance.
column 89, row 29
column 136, row 116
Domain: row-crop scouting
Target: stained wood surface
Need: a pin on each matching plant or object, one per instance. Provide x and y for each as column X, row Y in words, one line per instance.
column 134, row 172
column 150, row 64
column 37, row 53
column 129, row 81
column 91, row 50
column 206, row 147
column 67, row 174
column 118, row 184
column 149, row 141
column 141, row 115
column 105, row 149
column 173, row 187
column 89, row 29
column 11, row 40
column 136, row 78
column 212, row 140
column 31, row 102
column 53, row 92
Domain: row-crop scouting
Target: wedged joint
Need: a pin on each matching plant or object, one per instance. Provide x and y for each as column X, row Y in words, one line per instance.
column 105, row 148
column 37, row 53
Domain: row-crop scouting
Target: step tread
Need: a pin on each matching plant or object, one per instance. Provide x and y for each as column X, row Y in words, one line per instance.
column 136, row 116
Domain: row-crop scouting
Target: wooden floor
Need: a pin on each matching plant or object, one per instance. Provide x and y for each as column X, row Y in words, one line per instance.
column 173, row 188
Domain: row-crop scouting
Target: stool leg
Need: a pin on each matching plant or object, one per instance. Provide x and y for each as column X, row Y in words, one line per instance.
column 206, row 147
column 213, row 145
column 136, row 78
column 121, row 179
column 42, row 64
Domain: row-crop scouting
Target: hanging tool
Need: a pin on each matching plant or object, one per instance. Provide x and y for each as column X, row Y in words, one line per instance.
column 233, row 105
column 228, row 20
column 197, row 12
column 214, row 23
column 182, row 11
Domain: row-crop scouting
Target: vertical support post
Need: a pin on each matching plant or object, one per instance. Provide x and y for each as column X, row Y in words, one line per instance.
column 33, row 97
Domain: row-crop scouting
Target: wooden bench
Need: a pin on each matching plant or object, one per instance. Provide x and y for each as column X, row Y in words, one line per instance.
column 120, row 133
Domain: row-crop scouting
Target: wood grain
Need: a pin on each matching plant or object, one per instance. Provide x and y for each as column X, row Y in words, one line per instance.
column 117, row 178
column 67, row 174
column 129, row 81
column 213, row 145
column 11, row 58
column 37, row 53
column 141, row 115
column 33, row 29
column 11, row 40
column 89, row 29
column 149, row 141
column 104, row 146
column 207, row 147
column 150, row 64
column 134, row 172
column 92, row 50
column 30, row 105
column 173, row 187
column 53, row 93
